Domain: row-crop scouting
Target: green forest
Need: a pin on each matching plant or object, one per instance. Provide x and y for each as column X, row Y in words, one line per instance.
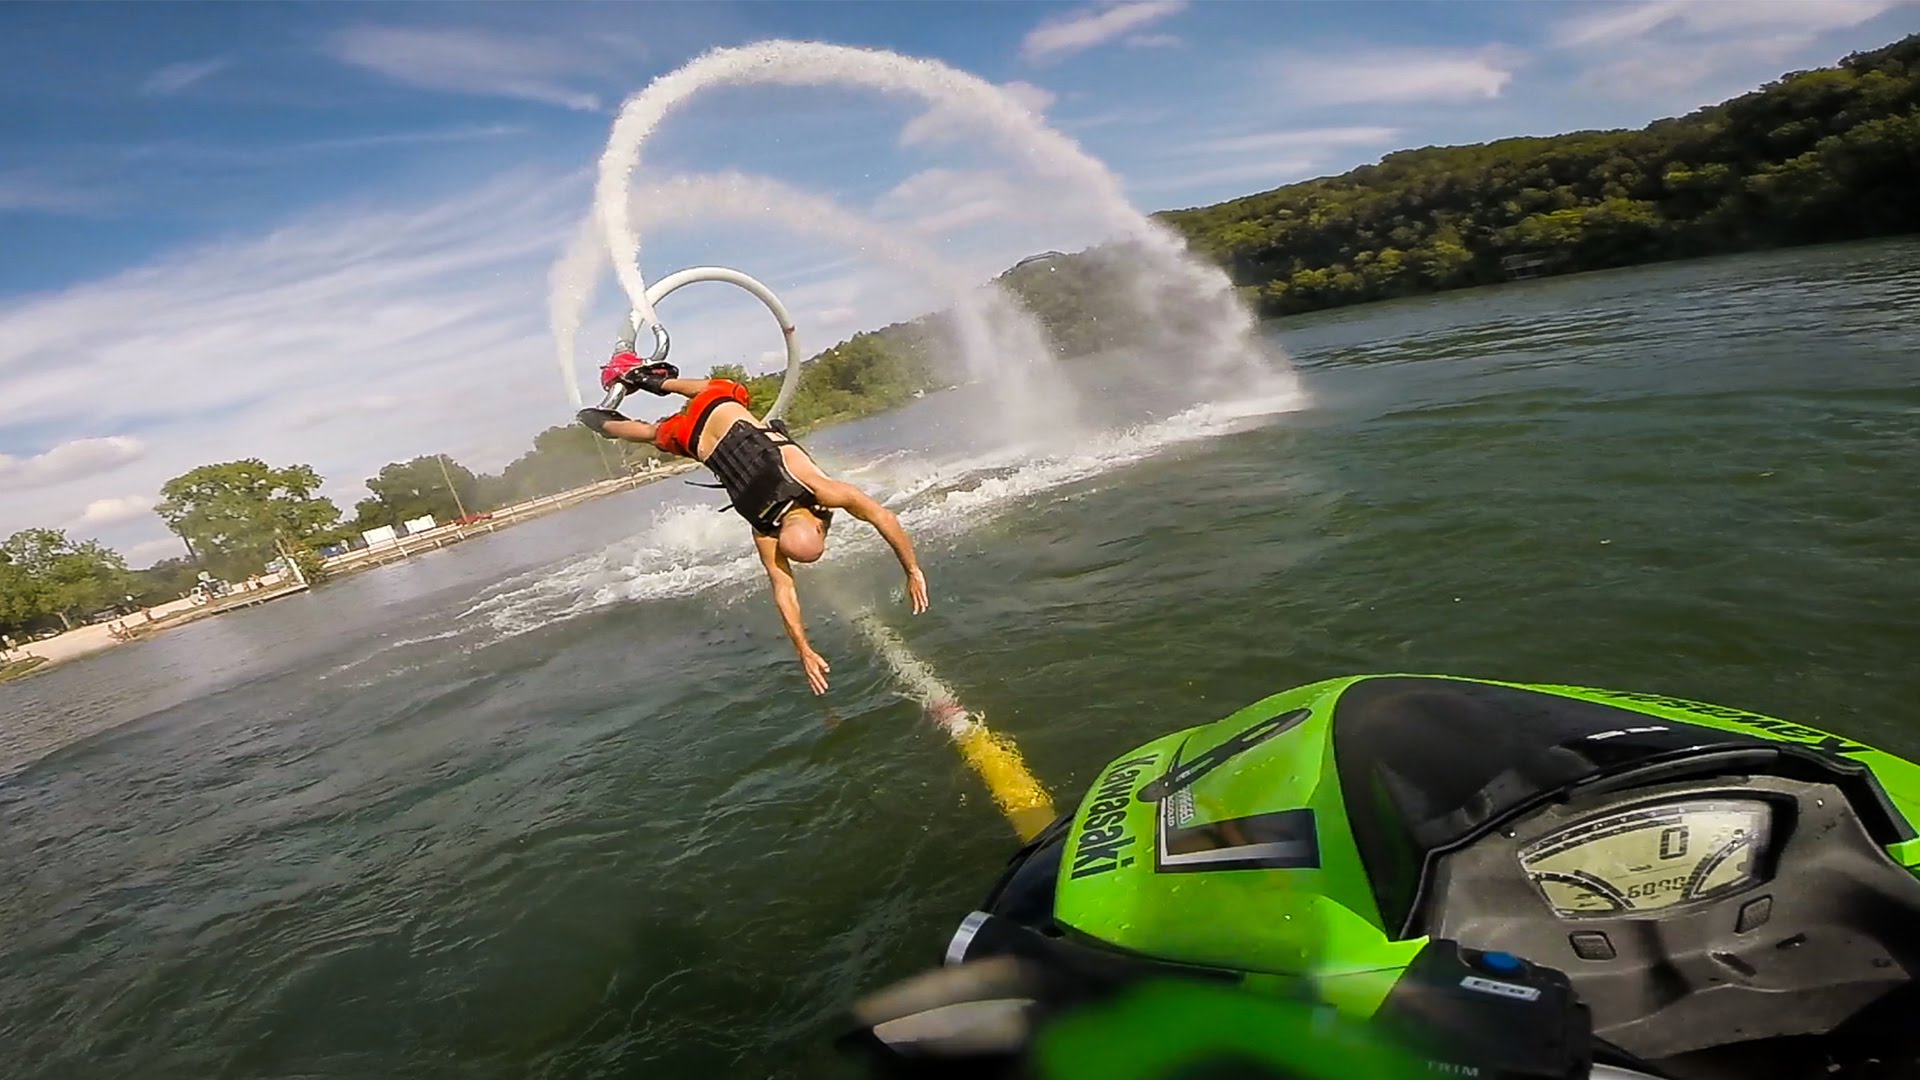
column 1824, row 155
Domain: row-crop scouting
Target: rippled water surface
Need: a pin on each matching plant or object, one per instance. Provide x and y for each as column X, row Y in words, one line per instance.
column 555, row 803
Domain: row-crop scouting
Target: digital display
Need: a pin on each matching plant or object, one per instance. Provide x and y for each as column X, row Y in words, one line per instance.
column 1650, row 857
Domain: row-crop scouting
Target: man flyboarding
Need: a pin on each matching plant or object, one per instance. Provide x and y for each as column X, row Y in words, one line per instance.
column 774, row 484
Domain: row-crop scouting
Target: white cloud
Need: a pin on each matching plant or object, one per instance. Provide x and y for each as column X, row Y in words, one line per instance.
column 836, row 318
column 356, row 336
column 1120, row 117
column 344, row 339
column 1155, row 41
column 427, row 136
column 1612, row 23
column 1037, row 99
column 1395, row 76
column 177, row 77
column 941, row 200
column 944, row 124
column 1680, row 54
column 467, row 61
column 115, row 510
column 28, row 191
column 1270, row 172
column 147, row 552
column 1089, row 27
column 74, row 460
column 1266, row 158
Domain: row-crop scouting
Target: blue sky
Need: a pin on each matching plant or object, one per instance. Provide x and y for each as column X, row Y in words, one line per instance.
column 323, row 233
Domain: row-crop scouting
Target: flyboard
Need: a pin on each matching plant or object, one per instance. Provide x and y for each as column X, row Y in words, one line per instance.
column 634, row 321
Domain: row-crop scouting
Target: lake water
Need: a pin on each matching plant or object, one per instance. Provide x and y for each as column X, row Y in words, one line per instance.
column 556, row 802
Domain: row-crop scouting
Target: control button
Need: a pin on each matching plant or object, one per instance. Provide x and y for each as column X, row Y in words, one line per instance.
column 1501, row 963
column 1753, row 913
column 1591, row 945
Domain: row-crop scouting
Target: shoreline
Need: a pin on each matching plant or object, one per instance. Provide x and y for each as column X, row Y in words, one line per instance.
column 81, row 642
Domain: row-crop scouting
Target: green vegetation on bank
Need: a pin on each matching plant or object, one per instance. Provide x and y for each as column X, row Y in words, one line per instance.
column 1825, row 155
column 44, row 576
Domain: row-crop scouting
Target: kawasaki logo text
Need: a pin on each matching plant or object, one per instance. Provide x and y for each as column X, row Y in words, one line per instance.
column 1103, row 835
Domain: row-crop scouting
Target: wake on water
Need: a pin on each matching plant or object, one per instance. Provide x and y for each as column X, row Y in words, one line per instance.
column 688, row 550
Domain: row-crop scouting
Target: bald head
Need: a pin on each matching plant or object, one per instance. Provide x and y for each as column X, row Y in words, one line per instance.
column 803, row 536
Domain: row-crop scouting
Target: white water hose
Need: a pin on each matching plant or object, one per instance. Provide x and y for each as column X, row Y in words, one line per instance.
column 659, row 291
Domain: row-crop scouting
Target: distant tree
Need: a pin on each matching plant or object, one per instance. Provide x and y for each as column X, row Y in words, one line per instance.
column 234, row 513
column 563, row 457
column 22, row 599
column 370, row 513
column 56, row 576
column 408, row 490
column 735, row 372
column 164, row 581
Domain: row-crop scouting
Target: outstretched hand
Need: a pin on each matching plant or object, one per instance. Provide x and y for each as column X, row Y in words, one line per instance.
column 817, row 668
column 917, row 590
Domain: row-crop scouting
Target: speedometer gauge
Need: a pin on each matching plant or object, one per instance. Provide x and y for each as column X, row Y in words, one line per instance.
column 1650, row 857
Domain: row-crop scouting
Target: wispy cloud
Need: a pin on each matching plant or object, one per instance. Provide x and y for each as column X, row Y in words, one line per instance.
column 1611, row 23
column 836, row 320
column 32, row 192
column 1259, row 160
column 74, row 460
column 941, row 200
column 1125, row 116
column 1683, row 54
column 369, row 306
column 467, row 61
column 1154, row 41
column 1089, row 27
column 174, row 78
column 1395, row 76
column 941, row 124
column 147, row 552
column 204, row 153
column 113, row 511
column 1262, row 173
column 1301, row 138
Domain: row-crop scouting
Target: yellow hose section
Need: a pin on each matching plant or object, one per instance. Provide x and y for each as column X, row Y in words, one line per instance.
column 1015, row 790
column 992, row 756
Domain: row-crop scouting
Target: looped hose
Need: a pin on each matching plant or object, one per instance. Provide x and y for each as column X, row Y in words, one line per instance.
column 658, row 291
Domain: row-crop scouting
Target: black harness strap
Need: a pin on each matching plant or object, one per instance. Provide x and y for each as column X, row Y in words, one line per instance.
column 748, row 464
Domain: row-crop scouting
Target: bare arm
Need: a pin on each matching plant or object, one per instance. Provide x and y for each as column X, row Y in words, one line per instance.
column 841, row 495
column 787, row 599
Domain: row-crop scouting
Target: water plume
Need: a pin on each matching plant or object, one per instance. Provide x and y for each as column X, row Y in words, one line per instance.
column 1187, row 307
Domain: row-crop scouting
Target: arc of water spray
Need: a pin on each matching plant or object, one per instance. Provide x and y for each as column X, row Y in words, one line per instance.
column 571, row 286
column 977, row 307
column 804, row 63
column 1188, row 307
column 992, row 756
column 991, row 325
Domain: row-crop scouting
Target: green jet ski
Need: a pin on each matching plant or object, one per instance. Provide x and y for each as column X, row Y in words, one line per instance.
column 1501, row 880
